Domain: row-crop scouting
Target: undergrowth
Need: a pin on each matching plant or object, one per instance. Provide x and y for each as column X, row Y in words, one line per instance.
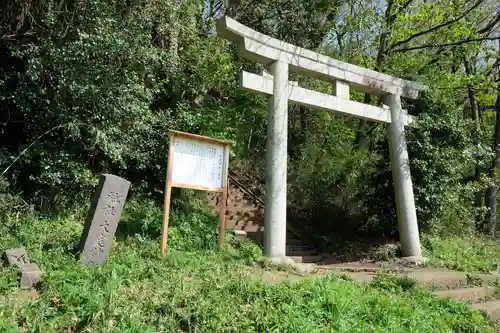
column 197, row 288
column 465, row 253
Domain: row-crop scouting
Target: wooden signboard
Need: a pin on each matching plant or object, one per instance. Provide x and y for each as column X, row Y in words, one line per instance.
column 200, row 163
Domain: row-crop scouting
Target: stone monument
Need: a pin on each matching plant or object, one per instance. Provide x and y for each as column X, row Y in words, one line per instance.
column 102, row 219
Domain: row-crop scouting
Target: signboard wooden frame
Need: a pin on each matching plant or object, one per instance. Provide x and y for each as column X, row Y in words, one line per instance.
column 192, row 145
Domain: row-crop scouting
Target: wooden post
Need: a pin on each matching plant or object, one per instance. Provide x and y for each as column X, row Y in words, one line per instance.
column 222, row 226
column 168, row 190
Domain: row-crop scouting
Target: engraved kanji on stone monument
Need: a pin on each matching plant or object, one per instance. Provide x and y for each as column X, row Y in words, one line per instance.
column 102, row 220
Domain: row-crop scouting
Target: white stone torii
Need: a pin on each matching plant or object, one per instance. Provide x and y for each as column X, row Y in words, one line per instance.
column 282, row 57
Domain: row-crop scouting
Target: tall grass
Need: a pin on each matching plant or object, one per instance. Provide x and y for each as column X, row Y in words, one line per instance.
column 473, row 253
column 197, row 288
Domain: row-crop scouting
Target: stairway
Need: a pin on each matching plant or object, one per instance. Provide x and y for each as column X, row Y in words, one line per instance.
column 444, row 283
column 481, row 298
column 245, row 211
column 481, row 294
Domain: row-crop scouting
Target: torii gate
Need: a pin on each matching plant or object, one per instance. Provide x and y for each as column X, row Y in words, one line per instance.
column 282, row 57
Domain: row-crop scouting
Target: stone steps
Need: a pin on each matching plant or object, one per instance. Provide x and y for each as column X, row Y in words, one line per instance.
column 293, row 241
column 474, row 295
column 428, row 277
column 300, row 247
column 491, row 309
column 480, row 297
column 246, row 213
column 306, row 259
column 305, row 253
column 446, row 283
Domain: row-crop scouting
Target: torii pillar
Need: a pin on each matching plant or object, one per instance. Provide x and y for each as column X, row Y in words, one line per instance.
column 401, row 178
column 276, row 165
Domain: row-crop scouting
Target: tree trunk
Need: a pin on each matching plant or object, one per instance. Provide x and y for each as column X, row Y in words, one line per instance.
column 303, row 122
column 472, row 93
column 491, row 193
column 362, row 140
column 474, row 107
column 173, row 48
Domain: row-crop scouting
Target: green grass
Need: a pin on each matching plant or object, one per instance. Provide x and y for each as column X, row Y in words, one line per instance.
column 469, row 254
column 197, row 288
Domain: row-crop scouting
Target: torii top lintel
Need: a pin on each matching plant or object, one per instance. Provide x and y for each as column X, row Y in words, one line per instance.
column 255, row 46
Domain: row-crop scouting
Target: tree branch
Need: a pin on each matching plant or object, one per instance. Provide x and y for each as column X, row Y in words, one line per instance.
column 35, row 141
column 14, row 36
column 495, row 65
column 437, row 27
column 403, row 6
column 426, row 46
column 490, row 25
column 434, row 60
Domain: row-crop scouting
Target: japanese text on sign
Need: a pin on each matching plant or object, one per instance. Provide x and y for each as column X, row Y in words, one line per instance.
column 197, row 163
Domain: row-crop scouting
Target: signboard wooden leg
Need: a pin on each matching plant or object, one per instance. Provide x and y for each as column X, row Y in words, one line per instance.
column 222, row 226
column 225, row 189
column 168, row 190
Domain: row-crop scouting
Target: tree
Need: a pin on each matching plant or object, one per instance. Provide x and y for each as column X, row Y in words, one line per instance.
column 492, row 191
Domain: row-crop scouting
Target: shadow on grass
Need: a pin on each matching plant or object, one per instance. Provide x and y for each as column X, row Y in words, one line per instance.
column 145, row 218
column 186, row 222
column 141, row 223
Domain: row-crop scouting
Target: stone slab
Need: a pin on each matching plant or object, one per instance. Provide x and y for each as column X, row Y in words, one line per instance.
column 301, row 253
column 281, row 260
column 16, row 256
column 429, row 277
column 468, row 294
column 240, row 234
column 306, row 259
column 102, row 219
column 491, row 309
column 30, row 275
column 418, row 261
column 350, row 267
column 439, row 278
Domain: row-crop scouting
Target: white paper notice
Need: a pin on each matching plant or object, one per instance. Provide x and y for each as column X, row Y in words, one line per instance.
column 197, row 163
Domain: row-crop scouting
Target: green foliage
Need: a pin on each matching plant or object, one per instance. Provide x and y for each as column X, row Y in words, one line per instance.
column 96, row 89
column 466, row 253
column 92, row 86
column 7, row 327
column 444, row 148
column 393, row 284
column 326, row 175
column 8, row 200
column 298, row 22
